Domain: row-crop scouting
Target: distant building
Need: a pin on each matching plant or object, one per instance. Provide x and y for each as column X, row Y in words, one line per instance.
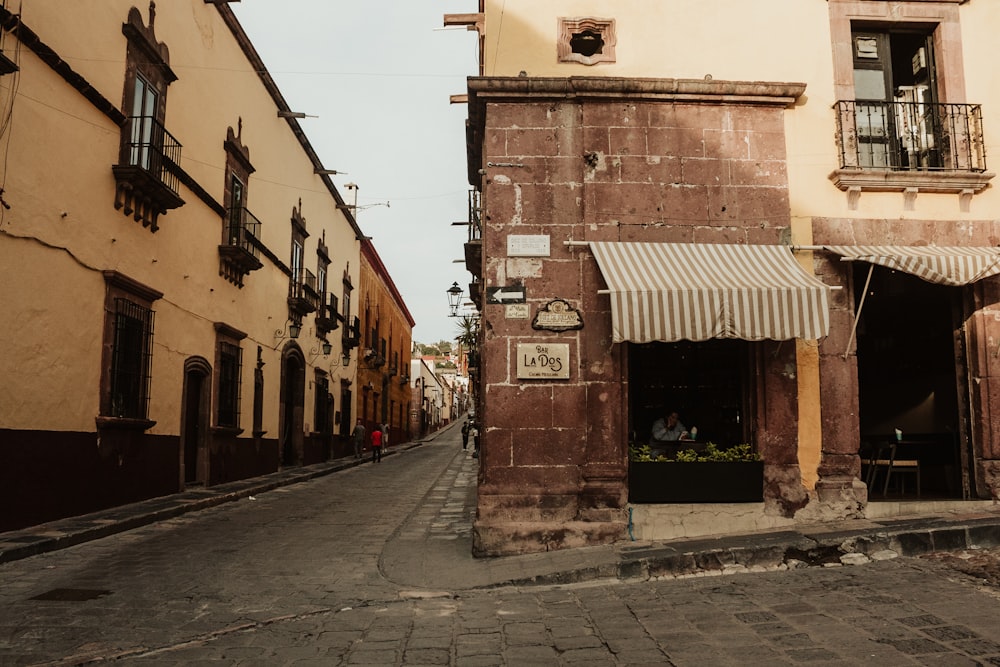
column 386, row 341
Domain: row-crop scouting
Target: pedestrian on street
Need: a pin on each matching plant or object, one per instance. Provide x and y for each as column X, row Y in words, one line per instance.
column 359, row 439
column 465, row 434
column 377, row 445
column 474, row 432
column 385, row 436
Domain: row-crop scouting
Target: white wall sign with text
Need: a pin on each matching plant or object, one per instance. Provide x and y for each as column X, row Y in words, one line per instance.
column 528, row 245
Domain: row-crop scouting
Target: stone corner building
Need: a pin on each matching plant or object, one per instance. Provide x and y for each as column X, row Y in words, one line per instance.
column 785, row 234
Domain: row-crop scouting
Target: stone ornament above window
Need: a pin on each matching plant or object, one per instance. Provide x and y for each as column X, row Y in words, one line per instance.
column 588, row 41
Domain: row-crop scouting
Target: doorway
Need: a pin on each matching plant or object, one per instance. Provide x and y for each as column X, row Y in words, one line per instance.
column 910, row 378
column 194, row 422
column 293, row 391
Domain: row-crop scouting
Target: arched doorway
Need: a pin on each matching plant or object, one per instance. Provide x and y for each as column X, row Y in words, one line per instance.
column 293, row 391
column 195, row 402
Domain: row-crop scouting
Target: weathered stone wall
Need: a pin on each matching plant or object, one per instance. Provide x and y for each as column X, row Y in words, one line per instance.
column 554, row 459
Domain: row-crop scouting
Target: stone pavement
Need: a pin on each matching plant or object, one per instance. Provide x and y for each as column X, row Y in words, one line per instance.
column 432, row 549
column 372, row 565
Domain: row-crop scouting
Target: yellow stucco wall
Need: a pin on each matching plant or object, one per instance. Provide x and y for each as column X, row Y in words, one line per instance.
column 62, row 228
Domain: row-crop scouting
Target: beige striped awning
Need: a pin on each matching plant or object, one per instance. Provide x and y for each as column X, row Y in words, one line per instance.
column 697, row 291
column 943, row 265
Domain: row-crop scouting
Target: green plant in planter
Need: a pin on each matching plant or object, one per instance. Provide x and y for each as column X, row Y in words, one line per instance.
column 742, row 452
column 712, row 453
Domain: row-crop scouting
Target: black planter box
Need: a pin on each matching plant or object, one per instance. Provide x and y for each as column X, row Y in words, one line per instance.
column 695, row 482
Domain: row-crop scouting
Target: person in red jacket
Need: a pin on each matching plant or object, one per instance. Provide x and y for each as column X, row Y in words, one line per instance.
column 377, row 444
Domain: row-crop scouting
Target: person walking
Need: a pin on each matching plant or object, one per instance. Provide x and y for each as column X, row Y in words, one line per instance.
column 377, row 445
column 385, row 437
column 465, row 434
column 359, row 439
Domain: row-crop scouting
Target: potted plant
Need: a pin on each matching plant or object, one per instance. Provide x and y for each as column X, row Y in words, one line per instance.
column 712, row 475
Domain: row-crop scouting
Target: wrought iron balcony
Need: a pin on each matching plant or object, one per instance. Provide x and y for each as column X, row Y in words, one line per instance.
column 302, row 295
column 328, row 319
column 240, row 247
column 910, row 136
column 146, row 185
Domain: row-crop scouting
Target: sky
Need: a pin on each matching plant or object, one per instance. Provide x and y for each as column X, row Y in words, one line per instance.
column 378, row 75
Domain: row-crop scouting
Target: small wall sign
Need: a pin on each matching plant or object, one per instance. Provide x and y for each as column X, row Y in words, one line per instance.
column 557, row 315
column 528, row 245
column 517, row 311
column 543, row 361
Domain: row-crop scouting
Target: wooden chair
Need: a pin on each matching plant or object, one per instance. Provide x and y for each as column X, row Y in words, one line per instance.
column 883, row 457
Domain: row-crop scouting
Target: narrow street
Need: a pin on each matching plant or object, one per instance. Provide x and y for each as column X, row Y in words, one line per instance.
column 361, row 567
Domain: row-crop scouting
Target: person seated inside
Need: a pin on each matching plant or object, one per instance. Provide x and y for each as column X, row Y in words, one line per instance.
column 666, row 431
column 669, row 428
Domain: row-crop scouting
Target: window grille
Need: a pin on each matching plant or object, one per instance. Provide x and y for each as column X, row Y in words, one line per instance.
column 230, row 370
column 131, row 360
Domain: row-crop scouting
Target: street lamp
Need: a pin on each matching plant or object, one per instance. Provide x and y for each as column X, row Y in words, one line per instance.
column 454, row 298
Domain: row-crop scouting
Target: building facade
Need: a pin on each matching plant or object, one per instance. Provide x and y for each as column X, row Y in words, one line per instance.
column 177, row 268
column 386, row 341
column 787, row 235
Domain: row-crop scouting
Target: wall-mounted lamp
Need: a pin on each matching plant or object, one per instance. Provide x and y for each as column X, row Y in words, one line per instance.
column 454, row 298
column 293, row 114
column 323, row 349
column 294, row 329
column 327, row 172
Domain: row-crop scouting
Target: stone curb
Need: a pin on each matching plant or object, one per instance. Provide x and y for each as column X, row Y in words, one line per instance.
column 784, row 549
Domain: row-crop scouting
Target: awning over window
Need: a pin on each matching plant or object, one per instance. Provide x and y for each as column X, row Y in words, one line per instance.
column 696, row 291
column 943, row 265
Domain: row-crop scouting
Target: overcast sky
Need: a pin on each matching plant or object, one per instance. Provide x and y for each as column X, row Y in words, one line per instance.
column 378, row 74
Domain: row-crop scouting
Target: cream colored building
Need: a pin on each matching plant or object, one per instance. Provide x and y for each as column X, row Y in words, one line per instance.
column 177, row 269
column 849, row 138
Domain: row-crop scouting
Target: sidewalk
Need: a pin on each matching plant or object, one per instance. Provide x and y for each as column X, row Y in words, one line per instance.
column 433, row 551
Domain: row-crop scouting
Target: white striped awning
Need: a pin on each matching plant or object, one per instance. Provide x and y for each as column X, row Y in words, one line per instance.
column 698, row 291
column 942, row 265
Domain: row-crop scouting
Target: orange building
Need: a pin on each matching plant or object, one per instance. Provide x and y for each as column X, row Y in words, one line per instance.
column 386, row 333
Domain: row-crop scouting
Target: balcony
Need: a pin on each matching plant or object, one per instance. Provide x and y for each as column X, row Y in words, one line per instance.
column 328, row 319
column 240, row 248
column 474, row 246
column 352, row 334
column 146, row 188
column 910, row 147
column 302, row 295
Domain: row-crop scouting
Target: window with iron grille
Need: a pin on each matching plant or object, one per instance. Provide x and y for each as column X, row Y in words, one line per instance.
column 230, row 368
column 131, row 358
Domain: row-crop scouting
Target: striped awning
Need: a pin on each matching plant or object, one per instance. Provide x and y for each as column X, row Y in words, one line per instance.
column 697, row 291
column 942, row 265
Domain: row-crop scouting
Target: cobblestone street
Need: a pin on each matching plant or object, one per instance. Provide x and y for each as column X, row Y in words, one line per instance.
column 367, row 567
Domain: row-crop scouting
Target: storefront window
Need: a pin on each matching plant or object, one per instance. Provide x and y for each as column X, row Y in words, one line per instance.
column 708, row 384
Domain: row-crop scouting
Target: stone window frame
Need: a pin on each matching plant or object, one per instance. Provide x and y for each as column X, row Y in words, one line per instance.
column 120, row 289
column 944, row 15
column 567, row 27
column 228, row 342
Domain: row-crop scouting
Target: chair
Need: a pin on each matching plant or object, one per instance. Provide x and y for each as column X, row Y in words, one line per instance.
column 883, row 457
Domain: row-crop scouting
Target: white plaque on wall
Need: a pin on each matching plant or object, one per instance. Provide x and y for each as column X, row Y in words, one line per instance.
column 528, row 245
column 543, row 361
column 517, row 311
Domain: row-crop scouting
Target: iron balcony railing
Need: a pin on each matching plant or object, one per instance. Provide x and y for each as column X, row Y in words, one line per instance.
column 303, row 287
column 910, row 136
column 475, row 216
column 243, row 231
column 154, row 149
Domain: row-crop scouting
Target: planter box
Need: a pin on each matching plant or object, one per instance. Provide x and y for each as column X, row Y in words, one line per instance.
column 696, row 482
